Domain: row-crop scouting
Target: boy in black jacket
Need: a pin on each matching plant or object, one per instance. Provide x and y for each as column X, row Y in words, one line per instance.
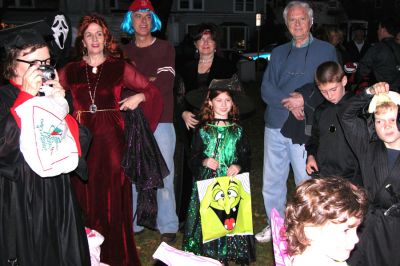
column 376, row 143
column 328, row 152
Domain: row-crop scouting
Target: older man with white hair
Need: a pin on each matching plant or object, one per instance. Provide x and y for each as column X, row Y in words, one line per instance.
column 292, row 65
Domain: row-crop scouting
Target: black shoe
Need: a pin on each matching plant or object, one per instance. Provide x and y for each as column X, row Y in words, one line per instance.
column 169, row 238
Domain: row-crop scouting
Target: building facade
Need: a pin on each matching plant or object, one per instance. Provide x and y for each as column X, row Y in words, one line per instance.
column 235, row 18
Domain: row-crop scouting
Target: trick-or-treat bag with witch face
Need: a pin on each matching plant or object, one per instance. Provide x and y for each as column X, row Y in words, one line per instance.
column 225, row 206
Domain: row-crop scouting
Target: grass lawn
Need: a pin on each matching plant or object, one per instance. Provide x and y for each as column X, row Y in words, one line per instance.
column 148, row 241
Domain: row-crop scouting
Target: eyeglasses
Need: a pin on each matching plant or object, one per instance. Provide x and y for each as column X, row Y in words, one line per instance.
column 298, row 73
column 47, row 61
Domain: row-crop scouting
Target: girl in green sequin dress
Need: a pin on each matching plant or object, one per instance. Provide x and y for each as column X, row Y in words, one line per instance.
column 219, row 148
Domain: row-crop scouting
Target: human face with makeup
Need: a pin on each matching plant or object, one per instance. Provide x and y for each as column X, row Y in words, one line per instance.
column 27, row 73
column 141, row 22
column 206, row 44
column 94, row 39
column 221, row 105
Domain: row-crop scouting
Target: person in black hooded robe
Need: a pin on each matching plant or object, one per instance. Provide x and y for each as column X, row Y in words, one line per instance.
column 376, row 144
column 40, row 222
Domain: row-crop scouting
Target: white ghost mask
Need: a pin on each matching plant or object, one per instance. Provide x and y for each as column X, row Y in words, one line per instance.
column 60, row 29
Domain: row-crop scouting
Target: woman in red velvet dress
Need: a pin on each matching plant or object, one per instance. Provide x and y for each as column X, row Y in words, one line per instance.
column 95, row 84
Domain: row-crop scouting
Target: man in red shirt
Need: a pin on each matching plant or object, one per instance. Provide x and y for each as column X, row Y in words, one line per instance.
column 155, row 58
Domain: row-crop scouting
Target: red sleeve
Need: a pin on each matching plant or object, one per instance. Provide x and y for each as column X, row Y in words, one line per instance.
column 73, row 127
column 153, row 105
column 22, row 97
column 62, row 76
column 166, row 70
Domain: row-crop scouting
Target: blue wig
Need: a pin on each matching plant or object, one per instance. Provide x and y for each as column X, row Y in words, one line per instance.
column 126, row 25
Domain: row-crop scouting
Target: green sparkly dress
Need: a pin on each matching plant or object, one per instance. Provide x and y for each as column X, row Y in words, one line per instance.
column 233, row 148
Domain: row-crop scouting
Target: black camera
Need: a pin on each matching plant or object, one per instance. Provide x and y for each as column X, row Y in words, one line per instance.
column 48, row 72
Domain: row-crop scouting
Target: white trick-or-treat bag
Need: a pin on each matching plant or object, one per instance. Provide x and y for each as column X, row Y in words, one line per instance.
column 46, row 140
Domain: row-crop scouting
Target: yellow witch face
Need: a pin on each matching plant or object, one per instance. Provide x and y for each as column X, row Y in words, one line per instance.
column 225, row 201
column 224, row 209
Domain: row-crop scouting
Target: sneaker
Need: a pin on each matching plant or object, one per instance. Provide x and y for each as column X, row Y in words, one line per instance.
column 265, row 235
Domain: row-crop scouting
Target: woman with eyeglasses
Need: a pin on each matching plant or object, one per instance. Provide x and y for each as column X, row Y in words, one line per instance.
column 95, row 83
column 40, row 222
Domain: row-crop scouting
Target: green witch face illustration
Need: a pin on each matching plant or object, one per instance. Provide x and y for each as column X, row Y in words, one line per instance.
column 225, row 209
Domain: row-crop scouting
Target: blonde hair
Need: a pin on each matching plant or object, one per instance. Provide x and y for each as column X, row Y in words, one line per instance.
column 384, row 107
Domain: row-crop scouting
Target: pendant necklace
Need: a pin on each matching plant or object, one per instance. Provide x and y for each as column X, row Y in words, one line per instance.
column 207, row 60
column 95, row 68
column 93, row 106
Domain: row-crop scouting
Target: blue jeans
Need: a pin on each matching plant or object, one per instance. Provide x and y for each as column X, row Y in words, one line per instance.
column 167, row 220
column 279, row 154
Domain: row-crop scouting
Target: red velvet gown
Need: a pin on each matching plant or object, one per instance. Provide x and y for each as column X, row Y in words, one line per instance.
column 106, row 197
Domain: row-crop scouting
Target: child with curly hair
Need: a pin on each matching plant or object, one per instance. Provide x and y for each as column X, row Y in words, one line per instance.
column 321, row 221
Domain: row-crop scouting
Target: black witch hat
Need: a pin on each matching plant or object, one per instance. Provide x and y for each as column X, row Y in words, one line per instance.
column 30, row 33
column 244, row 103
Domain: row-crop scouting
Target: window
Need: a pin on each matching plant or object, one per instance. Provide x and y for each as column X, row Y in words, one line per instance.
column 196, row 5
column 234, row 37
column 183, row 4
column 113, row 4
column 244, row 5
column 19, row 3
